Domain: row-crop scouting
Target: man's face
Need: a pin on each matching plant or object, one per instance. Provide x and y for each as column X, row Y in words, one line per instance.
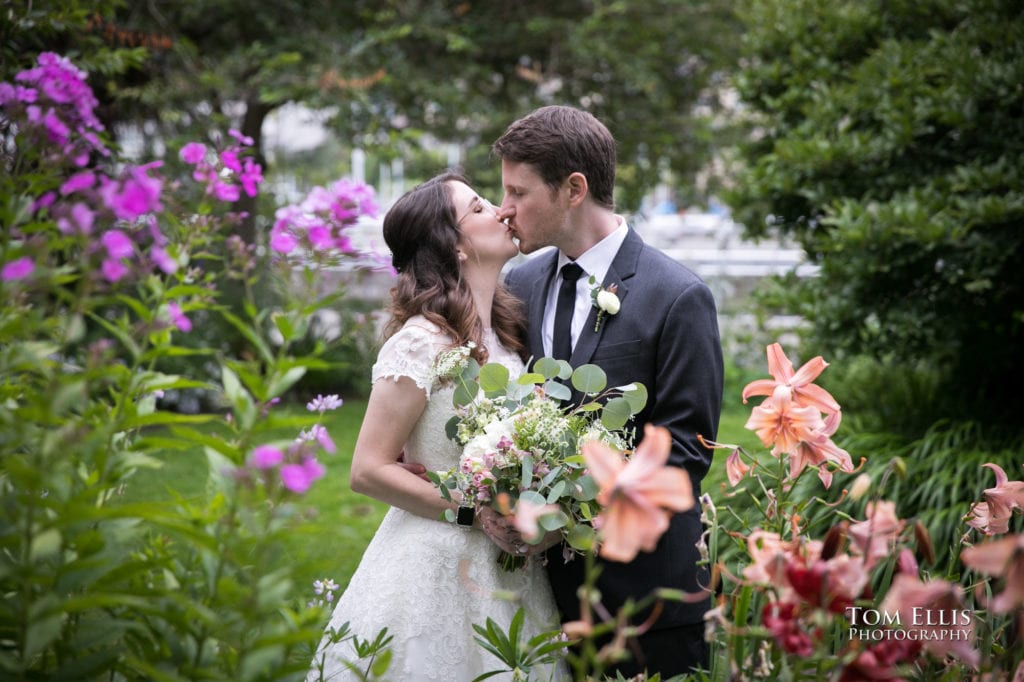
column 536, row 213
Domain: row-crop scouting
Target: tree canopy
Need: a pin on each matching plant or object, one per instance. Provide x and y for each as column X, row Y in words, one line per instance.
column 394, row 71
column 890, row 142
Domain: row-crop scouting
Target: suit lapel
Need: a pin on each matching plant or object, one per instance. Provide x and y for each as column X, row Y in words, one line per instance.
column 623, row 267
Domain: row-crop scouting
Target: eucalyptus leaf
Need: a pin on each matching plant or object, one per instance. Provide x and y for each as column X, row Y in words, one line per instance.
column 589, row 379
column 493, row 377
column 616, row 413
column 557, row 390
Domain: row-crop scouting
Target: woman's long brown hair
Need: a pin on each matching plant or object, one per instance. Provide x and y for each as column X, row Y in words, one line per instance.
column 422, row 233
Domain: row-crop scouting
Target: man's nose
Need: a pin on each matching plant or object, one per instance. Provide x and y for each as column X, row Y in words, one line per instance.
column 504, row 213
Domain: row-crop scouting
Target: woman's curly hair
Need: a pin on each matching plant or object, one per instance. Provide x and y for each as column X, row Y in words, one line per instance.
column 422, row 233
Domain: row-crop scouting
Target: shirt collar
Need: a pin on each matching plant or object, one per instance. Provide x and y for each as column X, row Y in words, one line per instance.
column 596, row 260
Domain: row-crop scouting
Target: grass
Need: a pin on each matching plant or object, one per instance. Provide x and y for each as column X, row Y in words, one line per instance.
column 337, row 523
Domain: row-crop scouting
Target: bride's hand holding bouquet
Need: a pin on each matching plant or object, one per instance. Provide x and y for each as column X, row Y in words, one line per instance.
column 522, row 443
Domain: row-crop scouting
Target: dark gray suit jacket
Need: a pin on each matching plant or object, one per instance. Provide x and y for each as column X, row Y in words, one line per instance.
column 665, row 336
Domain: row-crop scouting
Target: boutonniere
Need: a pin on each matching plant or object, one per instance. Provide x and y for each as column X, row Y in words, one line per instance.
column 605, row 300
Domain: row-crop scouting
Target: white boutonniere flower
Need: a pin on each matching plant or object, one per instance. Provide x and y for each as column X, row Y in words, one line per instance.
column 606, row 301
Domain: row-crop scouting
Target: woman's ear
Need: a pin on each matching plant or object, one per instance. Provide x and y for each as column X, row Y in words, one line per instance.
column 461, row 255
column 578, row 188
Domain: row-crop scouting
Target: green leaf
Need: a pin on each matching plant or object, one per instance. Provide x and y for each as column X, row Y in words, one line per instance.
column 616, row 413
column 531, row 378
column 493, row 377
column 636, row 394
column 279, row 384
column 557, row 390
column 589, row 379
column 581, row 537
column 549, row 368
column 465, row 393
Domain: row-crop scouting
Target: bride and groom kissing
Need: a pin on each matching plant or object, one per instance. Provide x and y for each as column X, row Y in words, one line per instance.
column 427, row 580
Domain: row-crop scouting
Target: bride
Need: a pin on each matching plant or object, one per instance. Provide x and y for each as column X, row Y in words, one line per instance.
column 423, row 578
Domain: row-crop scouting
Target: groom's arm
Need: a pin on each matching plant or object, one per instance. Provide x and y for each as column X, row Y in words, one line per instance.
column 688, row 397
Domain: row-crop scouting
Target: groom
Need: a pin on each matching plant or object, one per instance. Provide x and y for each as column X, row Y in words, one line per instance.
column 558, row 173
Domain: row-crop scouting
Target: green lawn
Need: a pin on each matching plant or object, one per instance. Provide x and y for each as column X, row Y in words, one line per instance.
column 338, row 523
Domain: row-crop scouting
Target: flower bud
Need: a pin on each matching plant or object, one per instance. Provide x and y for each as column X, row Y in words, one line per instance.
column 860, row 487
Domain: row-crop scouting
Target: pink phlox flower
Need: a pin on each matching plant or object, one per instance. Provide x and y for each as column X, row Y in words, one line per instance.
column 117, row 244
column 320, row 236
column 229, row 157
column 527, row 517
column 1003, row 558
column 283, row 242
column 178, row 317
column 324, row 403
column 638, row 496
column 265, row 457
column 931, row 609
column 320, row 434
column 163, row 260
column 804, row 392
column 79, row 221
column 875, row 537
column 242, row 139
column 193, row 152
column 113, row 269
column 56, row 129
column 225, row 191
column 19, row 268
column 135, row 195
column 250, row 177
column 78, row 182
column 299, row 477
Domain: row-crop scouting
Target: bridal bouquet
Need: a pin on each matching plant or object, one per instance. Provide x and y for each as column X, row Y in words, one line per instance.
column 521, row 442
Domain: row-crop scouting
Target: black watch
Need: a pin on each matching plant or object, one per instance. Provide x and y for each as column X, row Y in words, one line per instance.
column 464, row 516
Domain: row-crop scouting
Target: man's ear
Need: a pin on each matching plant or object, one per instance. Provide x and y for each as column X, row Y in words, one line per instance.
column 578, row 188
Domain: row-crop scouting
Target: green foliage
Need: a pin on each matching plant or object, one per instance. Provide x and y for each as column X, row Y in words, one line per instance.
column 891, row 144
column 96, row 585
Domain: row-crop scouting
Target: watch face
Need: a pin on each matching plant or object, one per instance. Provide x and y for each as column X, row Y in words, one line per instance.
column 464, row 516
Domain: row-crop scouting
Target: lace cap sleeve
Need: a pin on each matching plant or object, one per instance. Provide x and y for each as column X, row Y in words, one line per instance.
column 411, row 353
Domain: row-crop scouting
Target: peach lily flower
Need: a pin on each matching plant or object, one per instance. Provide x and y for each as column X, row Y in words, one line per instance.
column 874, row 538
column 819, row 449
column 782, row 422
column 992, row 516
column 804, row 392
column 1004, row 558
column 526, row 516
column 636, row 494
column 930, row 608
column 735, row 469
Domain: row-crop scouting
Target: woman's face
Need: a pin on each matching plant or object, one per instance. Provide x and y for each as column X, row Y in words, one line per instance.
column 485, row 239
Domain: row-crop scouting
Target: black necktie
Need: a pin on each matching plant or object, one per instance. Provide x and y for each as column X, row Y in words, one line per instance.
column 561, row 345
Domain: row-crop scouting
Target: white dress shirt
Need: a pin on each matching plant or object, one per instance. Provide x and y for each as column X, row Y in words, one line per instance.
column 595, row 263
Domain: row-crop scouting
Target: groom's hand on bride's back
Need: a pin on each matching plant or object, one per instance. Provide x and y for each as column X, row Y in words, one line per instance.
column 412, row 467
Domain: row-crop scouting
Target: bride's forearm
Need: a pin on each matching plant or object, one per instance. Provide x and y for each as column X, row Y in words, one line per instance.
column 395, row 485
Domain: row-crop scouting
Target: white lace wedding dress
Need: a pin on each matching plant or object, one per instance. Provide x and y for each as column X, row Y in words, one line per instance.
column 426, row 580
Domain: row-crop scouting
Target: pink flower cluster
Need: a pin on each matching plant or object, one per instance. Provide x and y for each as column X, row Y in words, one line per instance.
column 319, row 221
column 55, row 106
column 790, row 419
column 297, row 471
column 219, row 171
column 1002, row 558
column 90, row 198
